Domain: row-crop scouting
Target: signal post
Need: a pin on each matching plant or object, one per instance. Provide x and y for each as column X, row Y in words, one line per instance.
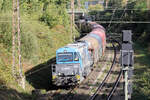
column 127, row 62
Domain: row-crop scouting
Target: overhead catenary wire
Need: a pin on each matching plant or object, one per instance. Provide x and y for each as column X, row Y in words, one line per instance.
column 112, row 17
column 118, row 22
column 102, row 22
column 124, row 22
column 120, row 17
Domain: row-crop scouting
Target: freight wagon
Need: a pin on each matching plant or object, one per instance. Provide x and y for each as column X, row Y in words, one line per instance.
column 75, row 61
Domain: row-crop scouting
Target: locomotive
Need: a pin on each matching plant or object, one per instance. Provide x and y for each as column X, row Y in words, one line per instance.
column 75, row 61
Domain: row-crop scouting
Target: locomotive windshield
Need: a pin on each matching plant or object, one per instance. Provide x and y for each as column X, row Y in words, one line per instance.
column 65, row 57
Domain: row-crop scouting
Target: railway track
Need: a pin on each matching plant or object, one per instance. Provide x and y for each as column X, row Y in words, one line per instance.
column 117, row 81
column 115, row 85
column 72, row 94
column 84, row 88
column 102, row 85
column 107, row 76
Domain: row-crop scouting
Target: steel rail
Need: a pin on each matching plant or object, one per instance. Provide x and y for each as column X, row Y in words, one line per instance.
column 68, row 96
column 118, row 78
column 115, row 86
column 108, row 74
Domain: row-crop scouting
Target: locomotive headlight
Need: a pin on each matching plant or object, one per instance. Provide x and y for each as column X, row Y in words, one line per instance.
column 59, row 73
column 53, row 77
column 78, row 77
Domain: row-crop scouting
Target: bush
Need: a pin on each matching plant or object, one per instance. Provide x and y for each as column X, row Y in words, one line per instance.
column 97, row 7
column 5, row 30
column 54, row 16
column 5, row 67
column 29, row 46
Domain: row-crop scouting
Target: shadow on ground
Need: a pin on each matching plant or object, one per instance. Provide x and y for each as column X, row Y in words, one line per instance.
column 40, row 76
column 11, row 94
column 78, row 96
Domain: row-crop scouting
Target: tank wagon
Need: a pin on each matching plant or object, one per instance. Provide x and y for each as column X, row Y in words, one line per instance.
column 75, row 61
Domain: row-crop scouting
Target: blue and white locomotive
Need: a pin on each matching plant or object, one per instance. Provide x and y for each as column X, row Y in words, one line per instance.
column 72, row 62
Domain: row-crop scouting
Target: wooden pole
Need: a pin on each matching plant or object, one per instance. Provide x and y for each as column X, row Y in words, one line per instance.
column 71, row 23
column 16, row 29
column 148, row 4
column 22, row 81
column 13, row 39
column 125, row 2
column 72, row 19
column 106, row 5
column 19, row 43
column 79, row 5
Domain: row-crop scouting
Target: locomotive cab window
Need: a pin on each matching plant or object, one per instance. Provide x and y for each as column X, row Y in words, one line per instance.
column 76, row 57
column 65, row 57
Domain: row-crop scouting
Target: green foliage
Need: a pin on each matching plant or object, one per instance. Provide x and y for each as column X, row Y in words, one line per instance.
column 142, row 15
column 5, row 5
column 97, row 7
column 30, row 6
column 5, row 67
column 141, row 4
column 54, row 15
column 141, row 86
column 51, row 17
column 5, row 30
column 29, row 45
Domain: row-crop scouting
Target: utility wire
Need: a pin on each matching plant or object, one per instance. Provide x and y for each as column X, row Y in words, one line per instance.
column 112, row 17
column 119, row 22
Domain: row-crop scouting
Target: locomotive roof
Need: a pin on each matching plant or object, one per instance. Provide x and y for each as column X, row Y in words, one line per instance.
column 77, row 46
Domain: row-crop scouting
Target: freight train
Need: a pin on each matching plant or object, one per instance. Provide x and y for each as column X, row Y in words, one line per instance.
column 75, row 61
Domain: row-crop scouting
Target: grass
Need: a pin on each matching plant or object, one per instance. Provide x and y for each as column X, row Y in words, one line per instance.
column 141, row 87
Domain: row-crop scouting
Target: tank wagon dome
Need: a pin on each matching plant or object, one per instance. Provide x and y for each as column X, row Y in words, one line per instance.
column 101, row 33
column 92, row 23
column 98, row 32
column 92, row 42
